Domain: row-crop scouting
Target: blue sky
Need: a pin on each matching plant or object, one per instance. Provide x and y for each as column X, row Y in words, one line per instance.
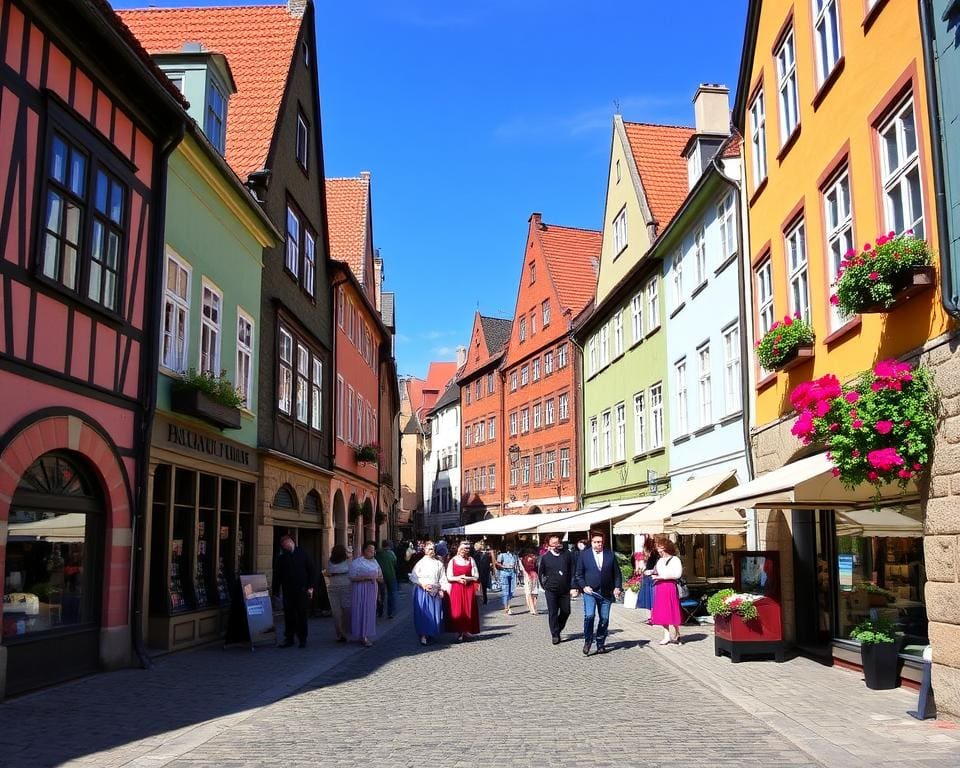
column 472, row 115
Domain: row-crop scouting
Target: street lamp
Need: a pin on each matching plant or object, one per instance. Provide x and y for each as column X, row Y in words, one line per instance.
column 514, row 452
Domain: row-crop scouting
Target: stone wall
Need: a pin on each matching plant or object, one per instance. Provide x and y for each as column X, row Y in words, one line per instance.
column 941, row 545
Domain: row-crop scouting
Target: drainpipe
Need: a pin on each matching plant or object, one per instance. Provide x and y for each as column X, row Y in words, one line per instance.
column 148, row 403
column 578, row 415
column 742, row 298
column 951, row 302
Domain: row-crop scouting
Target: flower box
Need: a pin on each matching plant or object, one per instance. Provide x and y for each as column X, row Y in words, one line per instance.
column 193, row 402
column 915, row 280
column 367, row 454
column 738, row 637
column 799, row 356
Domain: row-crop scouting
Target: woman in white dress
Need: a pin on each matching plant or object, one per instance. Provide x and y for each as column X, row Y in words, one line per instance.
column 428, row 575
column 339, row 590
column 366, row 575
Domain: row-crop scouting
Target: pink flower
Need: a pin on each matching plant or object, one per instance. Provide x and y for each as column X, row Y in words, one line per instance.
column 835, row 472
column 873, row 477
column 891, row 234
column 788, row 321
column 866, row 246
column 776, row 324
column 852, row 397
column 884, row 459
column 906, row 423
column 874, row 276
column 856, row 423
column 851, row 252
column 800, row 396
column 917, row 466
column 822, row 408
column 834, row 299
column 855, row 453
column 906, row 474
column 883, row 427
column 803, row 426
column 834, row 427
column 829, row 386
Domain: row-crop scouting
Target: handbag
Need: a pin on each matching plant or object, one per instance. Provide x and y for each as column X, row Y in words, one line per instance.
column 683, row 591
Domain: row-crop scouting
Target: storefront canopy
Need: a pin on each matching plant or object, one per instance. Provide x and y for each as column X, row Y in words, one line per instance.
column 588, row 519
column 62, row 528
column 879, row 522
column 655, row 517
column 506, row 524
column 808, row 483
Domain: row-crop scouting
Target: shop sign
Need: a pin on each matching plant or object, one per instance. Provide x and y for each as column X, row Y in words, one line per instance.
column 212, row 447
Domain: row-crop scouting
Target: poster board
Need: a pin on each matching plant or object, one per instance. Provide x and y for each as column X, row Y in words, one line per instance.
column 757, row 573
column 258, row 610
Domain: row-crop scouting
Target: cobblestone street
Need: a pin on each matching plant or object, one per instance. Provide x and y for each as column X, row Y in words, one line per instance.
column 507, row 696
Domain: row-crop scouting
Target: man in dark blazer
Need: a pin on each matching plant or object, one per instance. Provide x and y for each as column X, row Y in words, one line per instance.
column 598, row 578
column 555, row 574
column 296, row 575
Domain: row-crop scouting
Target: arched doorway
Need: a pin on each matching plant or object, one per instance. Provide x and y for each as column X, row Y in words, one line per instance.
column 369, row 531
column 339, row 519
column 53, row 572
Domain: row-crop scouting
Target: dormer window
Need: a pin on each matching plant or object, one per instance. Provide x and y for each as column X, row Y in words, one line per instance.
column 177, row 79
column 215, row 123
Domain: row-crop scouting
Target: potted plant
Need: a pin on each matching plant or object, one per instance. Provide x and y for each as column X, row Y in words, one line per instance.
column 368, row 453
column 745, row 624
column 205, row 396
column 380, row 518
column 355, row 511
column 631, row 591
column 878, row 429
column 787, row 344
column 878, row 278
column 878, row 653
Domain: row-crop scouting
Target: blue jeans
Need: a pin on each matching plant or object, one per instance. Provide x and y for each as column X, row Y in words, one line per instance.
column 591, row 603
column 507, row 579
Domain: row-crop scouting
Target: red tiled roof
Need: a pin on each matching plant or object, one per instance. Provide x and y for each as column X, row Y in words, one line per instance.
column 663, row 169
column 425, row 393
column 258, row 42
column 573, row 257
column 347, row 212
column 732, row 148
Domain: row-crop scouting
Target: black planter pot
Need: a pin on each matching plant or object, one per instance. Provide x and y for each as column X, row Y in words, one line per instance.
column 880, row 665
column 195, row 403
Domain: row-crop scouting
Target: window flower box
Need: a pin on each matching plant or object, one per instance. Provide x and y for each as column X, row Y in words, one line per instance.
column 368, row 454
column 879, row 277
column 796, row 358
column 787, row 344
column 194, row 402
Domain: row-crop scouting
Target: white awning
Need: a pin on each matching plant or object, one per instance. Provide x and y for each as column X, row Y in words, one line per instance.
column 656, row 516
column 883, row 522
column 506, row 524
column 808, row 483
column 63, row 528
column 587, row 519
column 707, row 521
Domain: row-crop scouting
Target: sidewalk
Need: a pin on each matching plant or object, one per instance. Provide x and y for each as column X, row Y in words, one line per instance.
column 130, row 718
column 827, row 712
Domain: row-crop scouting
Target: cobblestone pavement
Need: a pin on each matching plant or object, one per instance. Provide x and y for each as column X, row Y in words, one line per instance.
column 508, row 696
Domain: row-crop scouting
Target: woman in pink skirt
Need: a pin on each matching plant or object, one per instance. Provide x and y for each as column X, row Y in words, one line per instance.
column 666, row 600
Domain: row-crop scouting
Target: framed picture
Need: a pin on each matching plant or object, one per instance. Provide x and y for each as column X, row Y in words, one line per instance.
column 757, row 573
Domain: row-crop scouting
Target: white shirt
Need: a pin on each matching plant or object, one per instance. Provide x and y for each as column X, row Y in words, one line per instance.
column 598, row 556
column 669, row 567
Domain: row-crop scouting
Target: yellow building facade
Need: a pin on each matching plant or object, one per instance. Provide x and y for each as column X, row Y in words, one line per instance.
column 832, row 106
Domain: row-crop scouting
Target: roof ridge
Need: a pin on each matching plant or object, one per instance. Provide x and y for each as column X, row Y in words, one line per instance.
column 347, row 178
column 660, row 125
column 224, row 7
column 567, row 226
column 494, row 317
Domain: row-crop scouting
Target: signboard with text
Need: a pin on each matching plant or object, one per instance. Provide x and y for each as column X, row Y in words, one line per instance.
column 258, row 608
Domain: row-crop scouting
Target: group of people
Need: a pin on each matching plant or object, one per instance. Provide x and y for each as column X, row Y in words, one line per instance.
column 448, row 589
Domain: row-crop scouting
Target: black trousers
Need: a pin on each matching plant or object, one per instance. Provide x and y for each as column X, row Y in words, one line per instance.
column 558, row 611
column 295, row 608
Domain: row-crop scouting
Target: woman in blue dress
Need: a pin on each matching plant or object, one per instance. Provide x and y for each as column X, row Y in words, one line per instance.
column 646, row 566
column 427, row 574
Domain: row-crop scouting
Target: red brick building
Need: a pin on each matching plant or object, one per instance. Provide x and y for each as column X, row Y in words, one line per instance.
column 481, row 406
column 540, row 376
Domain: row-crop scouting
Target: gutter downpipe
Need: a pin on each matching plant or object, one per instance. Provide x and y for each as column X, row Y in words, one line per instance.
column 744, row 346
column 149, row 402
column 578, row 406
column 950, row 301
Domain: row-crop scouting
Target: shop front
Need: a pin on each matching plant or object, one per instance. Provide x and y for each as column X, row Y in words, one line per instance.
column 200, row 532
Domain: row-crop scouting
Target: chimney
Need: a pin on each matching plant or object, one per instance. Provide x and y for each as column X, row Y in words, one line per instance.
column 461, row 356
column 377, row 276
column 365, row 176
column 535, row 220
column 296, row 8
column 711, row 109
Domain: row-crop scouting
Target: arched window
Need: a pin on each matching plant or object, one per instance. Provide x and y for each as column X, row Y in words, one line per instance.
column 285, row 498
column 312, row 503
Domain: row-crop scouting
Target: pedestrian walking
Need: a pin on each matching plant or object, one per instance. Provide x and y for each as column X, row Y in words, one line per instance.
column 646, row 568
column 427, row 575
column 666, row 599
column 506, row 567
column 388, row 567
column 462, row 574
column 366, row 576
column 555, row 574
column 339, row 589
column 599, row 579
column 528, row 563
column 482, row 558
column 297, row 575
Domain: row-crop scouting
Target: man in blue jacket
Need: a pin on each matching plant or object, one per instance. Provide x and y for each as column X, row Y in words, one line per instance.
column 598, row 578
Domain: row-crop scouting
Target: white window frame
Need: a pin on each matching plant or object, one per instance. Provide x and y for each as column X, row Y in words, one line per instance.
column 211, row 328
column 563, row 406
column 562, row 356
column 705, row 385
column 606, row 428
column 656, row 416
column 620, row 231
column 550, row 464
column 763, row 276
column 309, row 262
column 513, row 424
column 564, row 463
column 680, row 383
column 700, row 255
column 525, row 469
column 285, row 347
column 175, row 323
column 652, row 292
column 550, row 412
column 535, row 369
column 303, row 142
column 795, row 251
column 245, row 341
column 902, row 183
column 620, row 440
column 538, row 468
column 302, row 388
column 522, row 328
column 677, row 278
column 828, row 41
column 789, row 100
column 547, row 363
column 524, row 375
column 838, row 225
column 545, row 312
column 537, row 415
column 726, row 215
column 339, row 407
column 524, row 421
column 350, row 438
column 594, row 443
column 639, row 424
column 732, row 392
column 618, row 333
column 513, row 380
column 592, row 355
column 636, row 311
column 758, row 139
column 604, row 345
column 292, row 253
column 492, row 428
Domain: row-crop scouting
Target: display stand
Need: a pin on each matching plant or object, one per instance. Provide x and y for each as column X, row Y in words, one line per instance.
column 251, row 613
column 755, row 573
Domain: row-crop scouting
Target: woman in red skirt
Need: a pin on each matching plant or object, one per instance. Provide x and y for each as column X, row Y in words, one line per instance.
column 463, row 577
column 666, row 599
